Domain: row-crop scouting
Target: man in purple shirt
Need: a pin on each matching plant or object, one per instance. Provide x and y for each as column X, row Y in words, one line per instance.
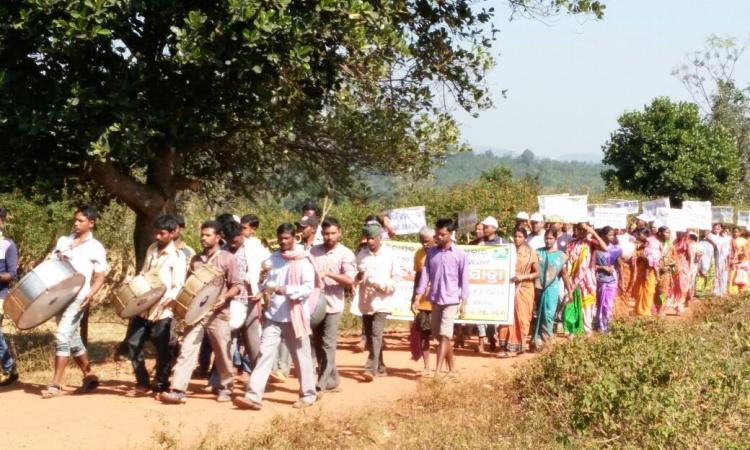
column 447, row 274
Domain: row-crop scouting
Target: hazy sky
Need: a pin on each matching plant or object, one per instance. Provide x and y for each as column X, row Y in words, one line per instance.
column 568, row 79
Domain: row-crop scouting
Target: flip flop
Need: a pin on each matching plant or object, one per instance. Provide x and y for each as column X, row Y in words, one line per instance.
column 506, row 355
column 90, row 382
column 52, row 391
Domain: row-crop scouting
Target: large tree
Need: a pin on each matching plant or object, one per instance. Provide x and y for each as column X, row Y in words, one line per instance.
column 143, row 99
column 667, row 149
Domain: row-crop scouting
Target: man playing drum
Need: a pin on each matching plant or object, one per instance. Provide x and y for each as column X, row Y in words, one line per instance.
column 291, row 279
column 216, row 323
column 88, row 257
column 156, row 323
column 8, row 272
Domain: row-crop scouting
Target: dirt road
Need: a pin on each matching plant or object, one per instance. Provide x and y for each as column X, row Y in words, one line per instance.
column 107, row 419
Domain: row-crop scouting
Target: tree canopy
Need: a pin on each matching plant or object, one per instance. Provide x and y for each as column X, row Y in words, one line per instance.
column 146, row 98
column 668, row 150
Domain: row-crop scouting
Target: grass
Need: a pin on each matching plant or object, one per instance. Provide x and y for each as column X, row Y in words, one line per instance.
column 648, row 384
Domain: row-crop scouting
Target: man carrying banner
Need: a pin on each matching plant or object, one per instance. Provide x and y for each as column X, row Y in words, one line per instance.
column 446, row 271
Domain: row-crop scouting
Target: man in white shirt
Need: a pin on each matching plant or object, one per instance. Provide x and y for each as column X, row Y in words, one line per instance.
column 88, row 257
column 155, row 324
column 376, row 283
column 535, row 240
column 289, row 283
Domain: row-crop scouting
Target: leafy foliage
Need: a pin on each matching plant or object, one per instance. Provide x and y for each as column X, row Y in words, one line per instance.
column 668, row 150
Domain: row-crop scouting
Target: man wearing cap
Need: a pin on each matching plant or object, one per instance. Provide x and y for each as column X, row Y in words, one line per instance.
column 307, row 227
column 535, row 240
column 490, row 232
column 376, row 282
column 522, row 220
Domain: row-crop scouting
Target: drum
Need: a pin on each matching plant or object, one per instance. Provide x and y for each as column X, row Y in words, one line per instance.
column 199, row 294
column 318, row 311
column 42, row 293
column 138, row 295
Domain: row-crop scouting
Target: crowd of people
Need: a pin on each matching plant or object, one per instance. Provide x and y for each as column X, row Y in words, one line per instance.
column 281, row 307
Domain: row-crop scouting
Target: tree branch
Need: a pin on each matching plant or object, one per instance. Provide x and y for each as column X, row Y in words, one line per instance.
column 125, row 188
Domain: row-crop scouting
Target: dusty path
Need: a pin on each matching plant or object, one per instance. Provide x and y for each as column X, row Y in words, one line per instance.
column 107, row 419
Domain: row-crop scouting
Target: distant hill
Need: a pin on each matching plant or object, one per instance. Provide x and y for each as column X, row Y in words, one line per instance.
column 554, row 175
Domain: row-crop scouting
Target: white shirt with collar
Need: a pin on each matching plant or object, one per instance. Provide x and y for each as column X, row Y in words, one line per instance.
column 278, row 306
column 255, row 254
column 87, row 258
column 172, row 272
column 381, row 268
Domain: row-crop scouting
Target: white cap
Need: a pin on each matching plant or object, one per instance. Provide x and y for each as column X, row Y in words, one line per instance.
column 523, row 215
column 490, row 221
column 537, row 217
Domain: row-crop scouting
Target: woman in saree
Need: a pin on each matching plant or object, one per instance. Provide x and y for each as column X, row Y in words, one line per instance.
column 722, row 258
column 607, row 278
column 684, row 256
column 667, row 269
column 738, row 246
column 645, row 265
column 581, row 267
column 552, row 274
column 513, row 337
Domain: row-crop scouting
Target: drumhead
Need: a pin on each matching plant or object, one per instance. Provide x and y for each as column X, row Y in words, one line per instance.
column 50, row 302
column 202, row 303
column 318, row 314
column 143, row 302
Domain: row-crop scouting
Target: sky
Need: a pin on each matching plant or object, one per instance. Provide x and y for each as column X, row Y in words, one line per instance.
column 569, row 78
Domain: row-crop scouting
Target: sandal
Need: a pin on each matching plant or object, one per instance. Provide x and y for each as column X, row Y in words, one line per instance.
column 89, row 383
column 506, row 355
column 52, row 390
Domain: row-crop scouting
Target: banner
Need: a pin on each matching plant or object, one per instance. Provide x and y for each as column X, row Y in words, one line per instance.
column 549, row 205
column 407, row 220
column 743, row 218
column 491, row 294
column 697, row 214
column 672, row 218
column 722, row 214
column 590, row 211
column 630, row 205
column 649, row 208
column 613, row 217
column 467, row 220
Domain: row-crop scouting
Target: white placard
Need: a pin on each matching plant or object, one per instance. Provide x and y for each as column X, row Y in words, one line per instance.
column 673, row 218
column 722, row 214
column 630, row 205
column 575, row 209
column 697, row 214
column 649, row 208
column 743, row 218
column 406, row 220
column 467, row 220
column 549, row 205
column 613, row 217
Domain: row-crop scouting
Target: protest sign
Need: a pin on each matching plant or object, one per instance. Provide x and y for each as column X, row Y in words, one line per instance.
column 672, row 218
column 722, row 214
column 697, row 214
column 549, row 205
column 743, row 218
column 467, row 220
column 630, row 205
column 491, row 293
column 613, row 217
column 407, row 220
column 649, row 208
column 575, row 209
column 590, row 210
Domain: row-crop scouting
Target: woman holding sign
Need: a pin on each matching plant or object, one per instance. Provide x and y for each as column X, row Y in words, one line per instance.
column 513, row 337
column 553, row 274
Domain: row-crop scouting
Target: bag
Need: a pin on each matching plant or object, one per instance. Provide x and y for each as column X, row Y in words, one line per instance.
column 415, row 341
column 573, row 314
column 237, row 314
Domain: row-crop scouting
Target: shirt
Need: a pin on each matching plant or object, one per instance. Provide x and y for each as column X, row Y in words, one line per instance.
column 339, row 260
column 496, row 241
column 278, row 306
column 8, row 264
column 228, row 264
column 562, row 242
column 382, row 270
column 186, row 250
column 447, row 274
column 608, row 258
column 170, row 262
column 254, row 254
column 87, row 258
column 536, row 241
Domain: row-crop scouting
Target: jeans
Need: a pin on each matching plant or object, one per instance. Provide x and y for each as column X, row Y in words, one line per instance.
column 300, row 353
column 68, row 334
column 7, row 363
column 374, row 328
column 324, row 338
column 158, row 332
